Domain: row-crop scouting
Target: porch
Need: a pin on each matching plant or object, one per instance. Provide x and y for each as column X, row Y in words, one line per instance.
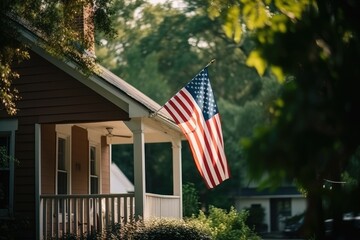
column 86, row 214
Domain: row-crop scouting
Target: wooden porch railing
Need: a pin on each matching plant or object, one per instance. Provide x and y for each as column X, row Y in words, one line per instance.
column 80, row 214
column 157, row 205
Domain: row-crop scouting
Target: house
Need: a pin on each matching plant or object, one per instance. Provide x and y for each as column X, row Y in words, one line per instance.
column 279, row 204
column 60, row 137
column 119, row 183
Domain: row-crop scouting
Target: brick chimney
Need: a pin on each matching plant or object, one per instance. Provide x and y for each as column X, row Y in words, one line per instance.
column 80, row 17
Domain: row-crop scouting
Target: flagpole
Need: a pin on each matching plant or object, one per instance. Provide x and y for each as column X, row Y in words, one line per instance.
column 153, row 114
column 211, row 62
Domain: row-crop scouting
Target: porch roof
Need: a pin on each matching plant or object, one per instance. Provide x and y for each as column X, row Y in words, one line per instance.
column 105, row 83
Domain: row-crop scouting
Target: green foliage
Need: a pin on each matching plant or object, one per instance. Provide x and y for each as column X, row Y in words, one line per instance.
column 5, row 159
column 314, row 132
column 219, row 224
column 224, row 225
column 10, row 228
column 165, row 49
column 191, row 204
column 53, row 21
column 158, row 158
column 162, row 229
column 256, row 218
column 265, row 19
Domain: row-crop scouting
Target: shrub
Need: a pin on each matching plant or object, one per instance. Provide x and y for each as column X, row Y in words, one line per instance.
column 156, row 228
column 256, row 217
column 191, row 204
column 220, row 224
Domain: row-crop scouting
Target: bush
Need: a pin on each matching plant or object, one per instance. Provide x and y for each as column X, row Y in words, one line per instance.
column 223, row 225
column 217, row 225
column 191, row 204
column 155, row 228
column 256, row 217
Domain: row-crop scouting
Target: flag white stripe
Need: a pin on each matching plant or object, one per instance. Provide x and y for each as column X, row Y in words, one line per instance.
column 214, row 139
column 200, row 138
column 191, row 137
column 217, row 129
column 221, row 146
column 204, row 136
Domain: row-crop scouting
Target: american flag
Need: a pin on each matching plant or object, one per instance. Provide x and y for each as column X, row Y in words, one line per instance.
column 195, row 111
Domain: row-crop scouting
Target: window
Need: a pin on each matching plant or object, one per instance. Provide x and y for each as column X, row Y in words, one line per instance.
column 94, row 180
column 7, row 147
column 62, row 174
column 4, row 170
column 284, row 206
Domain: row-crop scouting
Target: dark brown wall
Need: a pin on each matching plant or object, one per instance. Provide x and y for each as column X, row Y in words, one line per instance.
column 48, row 95
column 24, row 179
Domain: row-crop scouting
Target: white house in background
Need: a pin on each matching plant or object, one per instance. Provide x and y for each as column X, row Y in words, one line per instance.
column 279, row 204
column 119, row 183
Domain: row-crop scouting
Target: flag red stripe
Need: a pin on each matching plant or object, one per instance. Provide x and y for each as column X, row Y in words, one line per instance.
column 197, row 150
column 196, row 140
column 219, row 144
column 204, row 136
column 203, row 141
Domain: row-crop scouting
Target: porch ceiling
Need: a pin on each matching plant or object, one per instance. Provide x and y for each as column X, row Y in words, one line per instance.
column 153, row 131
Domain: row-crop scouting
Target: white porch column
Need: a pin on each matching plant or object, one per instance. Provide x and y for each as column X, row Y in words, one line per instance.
column 38, row 207
column 136, row 126
column 177, row 176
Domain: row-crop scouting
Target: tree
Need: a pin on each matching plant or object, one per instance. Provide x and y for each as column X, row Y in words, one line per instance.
column 159, row 49
column 53, row 21
column 311, row 47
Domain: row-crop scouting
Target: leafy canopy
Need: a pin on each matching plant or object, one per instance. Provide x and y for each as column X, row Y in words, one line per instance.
column 53, row 21
column 312, row 48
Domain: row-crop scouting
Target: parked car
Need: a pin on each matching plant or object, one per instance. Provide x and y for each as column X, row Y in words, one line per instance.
column 350, row 227
column 293, row 227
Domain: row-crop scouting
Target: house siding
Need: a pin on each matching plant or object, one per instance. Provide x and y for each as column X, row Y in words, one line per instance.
column 48, row 95
column 24, row 179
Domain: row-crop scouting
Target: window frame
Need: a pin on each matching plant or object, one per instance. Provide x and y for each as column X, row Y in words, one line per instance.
column 96, row 147
column 67, row 169
column 8, row 128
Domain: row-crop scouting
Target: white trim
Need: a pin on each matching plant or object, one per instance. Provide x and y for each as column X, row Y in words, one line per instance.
column 97, row 166
column 67, row 139
column 38, row 213
column 94, row 138
column 177, row 176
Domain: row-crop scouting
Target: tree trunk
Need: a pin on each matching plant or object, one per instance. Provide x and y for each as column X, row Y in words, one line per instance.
column 314, row 221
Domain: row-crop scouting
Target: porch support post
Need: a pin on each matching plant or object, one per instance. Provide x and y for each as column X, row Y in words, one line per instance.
column 136, row 126
column 38, row 207
column 177, row 177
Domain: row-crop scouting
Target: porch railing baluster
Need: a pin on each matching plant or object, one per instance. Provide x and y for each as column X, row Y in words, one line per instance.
column 112, row 211
column 63, row 214
column 125, row 208
column 118, row 219
column 81, row 214
column 88, row 214
column 56, row 221
column 75, row 223
column 68, row 215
